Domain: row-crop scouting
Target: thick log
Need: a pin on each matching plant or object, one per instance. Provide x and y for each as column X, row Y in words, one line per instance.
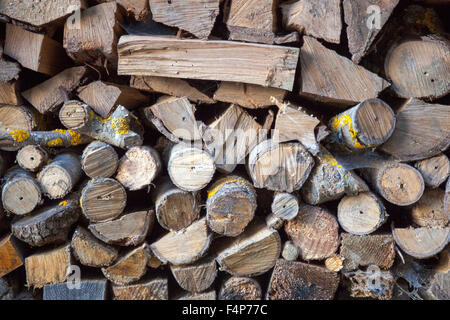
column 361, row 214
column 196, row 17
column 10, row 93
column 398, row 183
column 49, row 224
column 90, row 251
column 372, row 283
column 240, row 288
column 329, row 77
column 121, row 129
column 49, row 95
column 282, row 167
column 434, row 170
column 184, row 246
column 367, row 125
column 230, row 206
column 285, row 206
column 212, row 60
column 252, row 253
column 426, row 74
column 139, row 167
column 104, row 97
column 421, row 243
column 34, row 51
column 48, row 267
column 290, row 252
column 314, row 232
column 103, row 199
column 11, row 255
column 21, row 193
column 196, row 277
column 292, row 280
column 94, row 37
column 175, row 209
column 32, row 158
column 60, row 176
column 319, row 19
column 130, row 267
column 99, row 159
column 88, row 290
column 190, row 168
column 429, row 211
column 364, row 251
column 155, row 289
column 129, row 230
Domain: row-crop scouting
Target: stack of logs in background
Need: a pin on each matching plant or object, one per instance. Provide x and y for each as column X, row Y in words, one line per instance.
column 224, row 149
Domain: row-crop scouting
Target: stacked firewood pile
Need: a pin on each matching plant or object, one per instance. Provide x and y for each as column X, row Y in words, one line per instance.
column 258, row 149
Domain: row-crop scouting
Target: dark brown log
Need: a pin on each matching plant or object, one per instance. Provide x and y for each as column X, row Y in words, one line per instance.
column 372, row 283
column 196, row 277
column 99, row 159
column 155, row 289
column 88, row 290
column 11, row 255
column 285, row 206
column 429, row 211
column 421, row 243
column 32, row 158
column 240, row 288
column 434, row 170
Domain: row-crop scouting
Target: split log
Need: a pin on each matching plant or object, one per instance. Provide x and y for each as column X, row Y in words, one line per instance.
column 196, row 17
column 50, row 224
column 11, row 255
column 138, row 8
column 190, row 168
column 103, row 199
column 204, row 296
column 34, row 51
column 398, row 183
column 121, row 129
column 196, row 277
column 315, row 232
column 129, row 268
column 240, row 288
column 422, row 131
column 32, row 158
column 367, row 125
column 292, row 280
column 9, row 71
column 249, row 96
column 319, row 19
column 231, row 137
column 329, row 77
column 49, row 95
column 282, row 167
column 421, row 243
column 252, row 253
column 90, row 251
column 94, row 37
column 60, row 176
column 88, row 290
column 139, row 167
column 429, row 210
column 155, row 289
column 174, row 118
column 104, row 97
column 21, row 193
column 10, row 93
column 184, row 246
column 334, row 263
column 362, row 26
column 230, row 206
column 364, row 251
column 99, row 159
column 372, row 283
column 48, row 267
column 15, row 140
column 273, row 222
column 361, row 214
column 130, row 230
column 426, row 72
column 175, row 209
column 212, row 60
column 285, row 205
column 447, row 197
column 434, row 170
column 290, row 251
column 38, row 13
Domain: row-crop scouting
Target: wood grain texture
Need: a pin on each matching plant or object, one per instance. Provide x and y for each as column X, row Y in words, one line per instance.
column 32, row 158
column 285, row 205
column 212, row 60
column 421, row 243
column 10, row 93
column 89, row 290
column 11, row 255
column 434, row 170
column 196, row 277
column 429, row 211
column 99, row 159
column 154, row 289
column 240, row 288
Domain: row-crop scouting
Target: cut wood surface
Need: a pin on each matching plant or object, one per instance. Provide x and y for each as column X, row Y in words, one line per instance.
column 364, row 284
column 8, row 70
column 285, row 205
column 240, row 288
column 91, row 251
column 323, row 69
column 196, row 16
column 49, row 224
column 434, row 170
column 429, row 211
column 293, row 280
column 421, row 243
column 207, row 295
column 314, row 232
column 89, row 290
column 129, row 230
column 154, row 289
column 14, row 118
column 334, row 263
column 10, row 93
column 11, row 255
column 196, row 277
column 103, row 199
column 99, row 159
column 212, row 60
column 32, row 158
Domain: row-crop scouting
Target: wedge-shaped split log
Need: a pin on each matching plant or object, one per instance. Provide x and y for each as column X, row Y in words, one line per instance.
column 196, row 277
column 154, row 289
column 240, row 288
